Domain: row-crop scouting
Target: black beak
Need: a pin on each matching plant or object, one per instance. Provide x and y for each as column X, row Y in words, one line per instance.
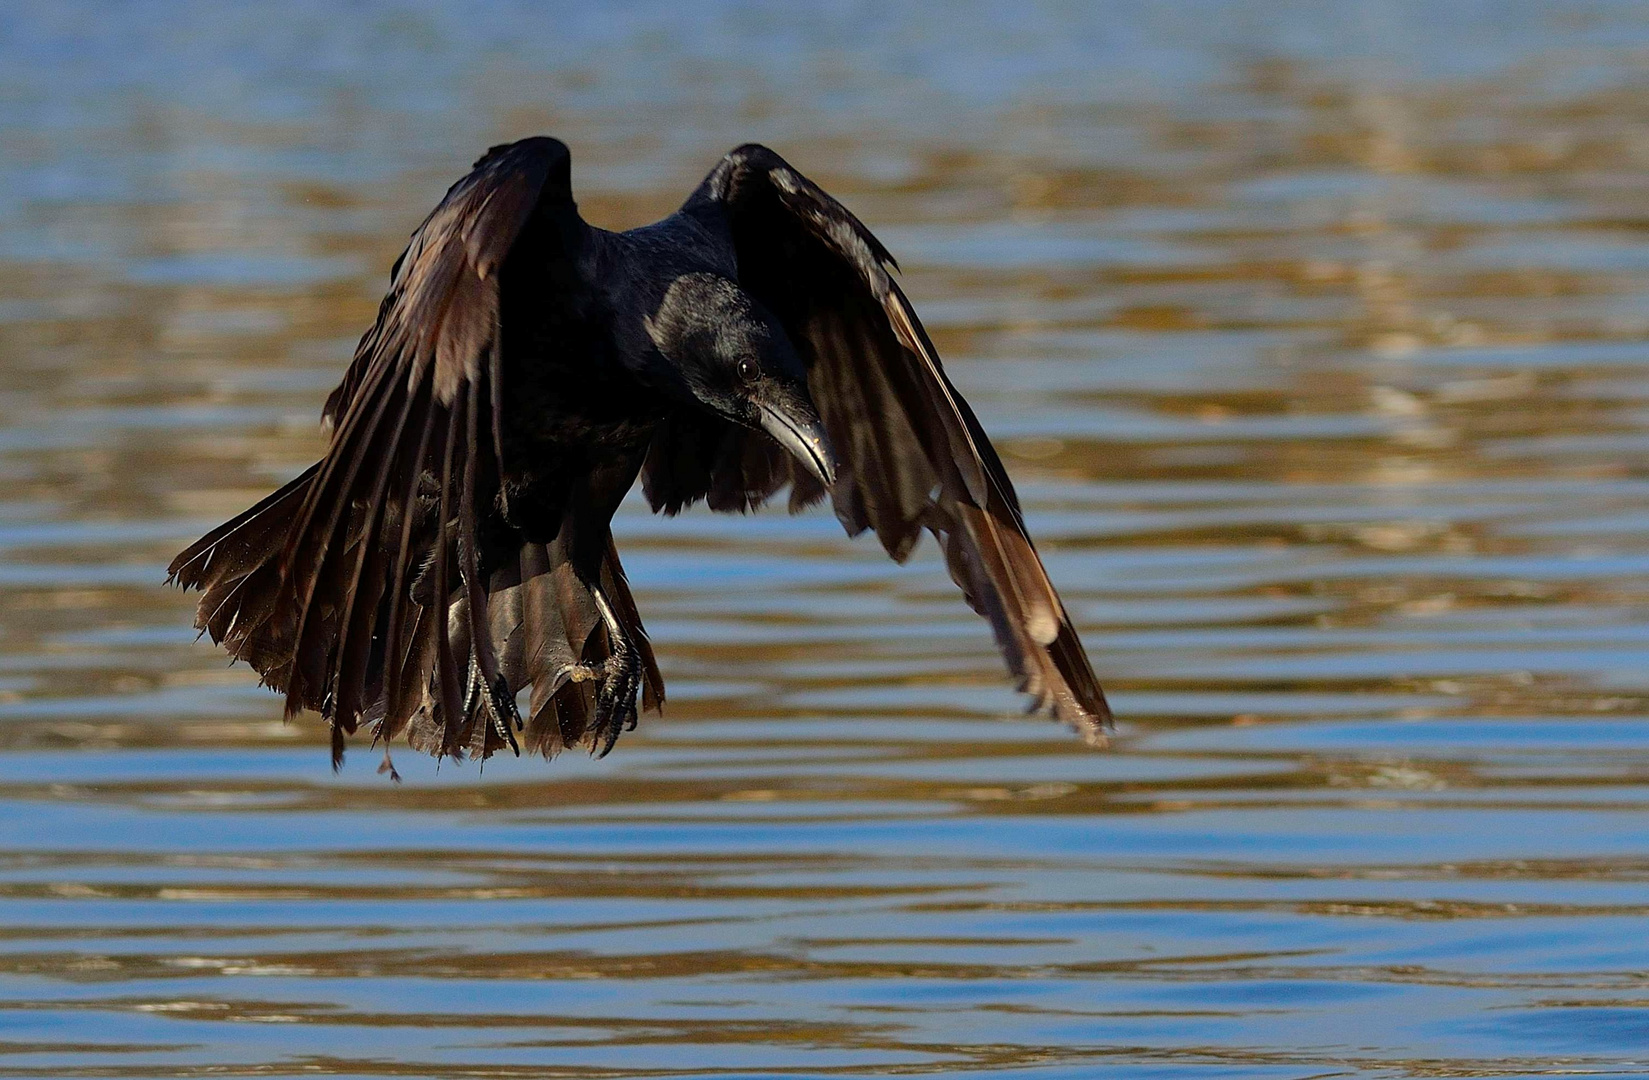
column 794, row 424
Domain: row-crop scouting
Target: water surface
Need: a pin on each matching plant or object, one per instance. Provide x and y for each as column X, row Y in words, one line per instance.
column 1315, row 337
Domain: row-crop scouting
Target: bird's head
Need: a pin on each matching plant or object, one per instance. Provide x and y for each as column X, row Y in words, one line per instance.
column 729, row 354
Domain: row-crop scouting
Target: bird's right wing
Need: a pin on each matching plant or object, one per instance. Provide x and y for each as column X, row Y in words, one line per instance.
column 912, row 454
column 394, row 508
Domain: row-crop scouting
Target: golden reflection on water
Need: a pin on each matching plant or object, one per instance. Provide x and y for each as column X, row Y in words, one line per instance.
column 1315, row 343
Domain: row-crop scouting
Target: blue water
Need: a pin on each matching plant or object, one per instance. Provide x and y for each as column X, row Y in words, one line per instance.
column 1314, row 335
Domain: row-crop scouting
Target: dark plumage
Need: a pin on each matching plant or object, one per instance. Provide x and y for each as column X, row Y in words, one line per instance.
column 453, row 547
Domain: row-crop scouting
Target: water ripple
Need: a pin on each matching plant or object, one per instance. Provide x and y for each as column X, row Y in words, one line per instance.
column 1313, row 338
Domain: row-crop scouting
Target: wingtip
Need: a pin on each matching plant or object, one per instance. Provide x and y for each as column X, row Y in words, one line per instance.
column 1093, row 721
column 1095, row 728
column 177, row 572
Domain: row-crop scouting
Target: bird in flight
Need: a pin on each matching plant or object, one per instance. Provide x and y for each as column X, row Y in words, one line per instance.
column 453, row 547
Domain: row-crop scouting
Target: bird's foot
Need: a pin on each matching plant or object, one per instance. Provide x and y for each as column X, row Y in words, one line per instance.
column 506, row 718
column 619, row 681
column 615, row 702
column 499, row 703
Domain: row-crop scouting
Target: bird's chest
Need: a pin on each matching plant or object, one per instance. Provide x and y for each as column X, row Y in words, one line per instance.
column 575, row 398
column 571, row 456
column 582, row 417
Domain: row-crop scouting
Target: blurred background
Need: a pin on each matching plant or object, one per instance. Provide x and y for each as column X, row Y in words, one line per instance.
column 1314, row 335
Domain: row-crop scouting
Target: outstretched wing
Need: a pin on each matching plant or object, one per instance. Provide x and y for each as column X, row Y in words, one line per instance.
column 912, row 454
column 343, row 588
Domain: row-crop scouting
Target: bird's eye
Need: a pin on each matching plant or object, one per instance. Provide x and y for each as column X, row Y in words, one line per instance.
column 748, row 370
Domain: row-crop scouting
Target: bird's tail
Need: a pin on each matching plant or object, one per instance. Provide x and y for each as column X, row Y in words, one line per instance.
column 546, row 625
column 237, row 566
column 549, row 634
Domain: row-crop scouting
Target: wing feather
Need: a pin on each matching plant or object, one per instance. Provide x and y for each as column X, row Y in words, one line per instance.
column 359, row 589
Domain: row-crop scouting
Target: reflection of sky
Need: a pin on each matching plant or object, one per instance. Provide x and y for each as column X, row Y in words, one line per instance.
column 232, row 99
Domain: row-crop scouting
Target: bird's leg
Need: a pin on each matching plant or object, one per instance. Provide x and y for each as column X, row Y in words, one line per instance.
column 506, row 718
column 615, row 702
column 500, row 702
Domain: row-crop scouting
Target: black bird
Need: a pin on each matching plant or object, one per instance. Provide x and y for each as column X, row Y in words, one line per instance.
column 453, row 547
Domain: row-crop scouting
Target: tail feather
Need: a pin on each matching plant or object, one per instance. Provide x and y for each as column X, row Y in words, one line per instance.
column 236, row 565
column 535, row 616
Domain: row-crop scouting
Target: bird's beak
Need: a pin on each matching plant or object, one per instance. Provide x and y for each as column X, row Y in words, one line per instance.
column 795, row 425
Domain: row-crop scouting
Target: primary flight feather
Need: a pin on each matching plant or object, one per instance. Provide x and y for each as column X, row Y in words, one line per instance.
column 453, row 547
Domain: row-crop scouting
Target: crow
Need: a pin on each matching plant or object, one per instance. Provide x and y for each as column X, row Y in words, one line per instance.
column 453, row 547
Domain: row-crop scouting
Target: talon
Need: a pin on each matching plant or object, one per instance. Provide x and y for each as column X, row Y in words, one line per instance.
column 616, row 704
column 506, row 718
column 615, row 707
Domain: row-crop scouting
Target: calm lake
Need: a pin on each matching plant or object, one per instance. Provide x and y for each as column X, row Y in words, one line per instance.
column 1315, row 335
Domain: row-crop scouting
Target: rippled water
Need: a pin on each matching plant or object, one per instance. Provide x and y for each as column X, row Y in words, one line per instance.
column 1315, row 336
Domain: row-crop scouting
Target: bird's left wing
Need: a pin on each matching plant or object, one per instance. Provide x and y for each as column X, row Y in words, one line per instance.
column 912, row 454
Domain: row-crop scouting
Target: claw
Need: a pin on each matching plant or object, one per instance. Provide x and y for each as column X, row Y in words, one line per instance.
column 615, row 710
column 615, row 706
column 506, row 718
